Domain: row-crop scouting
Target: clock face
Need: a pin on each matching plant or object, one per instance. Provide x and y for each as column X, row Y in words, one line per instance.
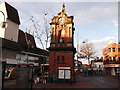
column 62, row 19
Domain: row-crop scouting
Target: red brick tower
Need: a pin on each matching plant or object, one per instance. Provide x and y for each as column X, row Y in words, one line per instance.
column 61, row 50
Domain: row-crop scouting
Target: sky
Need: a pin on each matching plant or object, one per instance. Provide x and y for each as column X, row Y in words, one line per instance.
column 95, row 21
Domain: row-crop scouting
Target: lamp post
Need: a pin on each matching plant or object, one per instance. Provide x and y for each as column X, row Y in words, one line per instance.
column 3, row 25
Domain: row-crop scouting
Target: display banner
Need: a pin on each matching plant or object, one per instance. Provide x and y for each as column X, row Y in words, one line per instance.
column 61, row 74
column 67, row 74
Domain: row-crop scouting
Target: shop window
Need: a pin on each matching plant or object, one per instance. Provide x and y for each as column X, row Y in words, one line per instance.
column 113, row 58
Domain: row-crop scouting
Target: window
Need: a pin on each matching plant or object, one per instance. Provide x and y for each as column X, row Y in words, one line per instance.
column 26, row 57
column 113, row 49
column 110, row 58
column 113, row 58
column 63, row 61
column 62, row 26
column 105, row 52
column 118, row 49
column 109, row 50
column 58, row 59
column 119, row 59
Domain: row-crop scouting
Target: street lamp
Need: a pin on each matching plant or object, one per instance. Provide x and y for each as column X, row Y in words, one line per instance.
column 3, row 24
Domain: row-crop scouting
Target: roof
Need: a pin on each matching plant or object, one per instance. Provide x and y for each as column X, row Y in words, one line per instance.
column 17, row 46
column 9, row 44
column 12, row 13
column 26, row 38
column 21, row 37
column 30, row 39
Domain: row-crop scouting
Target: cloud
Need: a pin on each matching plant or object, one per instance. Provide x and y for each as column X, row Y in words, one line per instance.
column 115, row 22
column 36, row 10
column 98, row 12
column 101, row 44
column 85, row 13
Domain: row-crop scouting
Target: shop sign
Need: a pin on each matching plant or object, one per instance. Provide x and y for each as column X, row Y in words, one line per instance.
column 64, row 68
column 112, row 65
column 2, row 60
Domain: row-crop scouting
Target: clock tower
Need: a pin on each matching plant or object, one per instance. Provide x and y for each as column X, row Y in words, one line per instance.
column 61, row 50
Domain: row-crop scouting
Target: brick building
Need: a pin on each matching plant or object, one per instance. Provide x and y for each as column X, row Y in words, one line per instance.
column 61, row 55
column 111, row 58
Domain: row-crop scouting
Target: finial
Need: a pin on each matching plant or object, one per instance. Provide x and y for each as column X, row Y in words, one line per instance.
column 63, row 5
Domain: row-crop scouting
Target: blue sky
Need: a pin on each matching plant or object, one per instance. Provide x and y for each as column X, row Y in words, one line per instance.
column 95, row 21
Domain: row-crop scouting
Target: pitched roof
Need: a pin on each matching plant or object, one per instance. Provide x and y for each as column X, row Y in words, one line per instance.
column 26, row 38
column 30, row 39
column 21, row 37
column 12, row 13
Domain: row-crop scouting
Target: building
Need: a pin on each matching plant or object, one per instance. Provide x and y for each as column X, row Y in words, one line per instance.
column 97, row 64
column 61, row 50
column 12, row 18
column 111, row 58
column 17, row 46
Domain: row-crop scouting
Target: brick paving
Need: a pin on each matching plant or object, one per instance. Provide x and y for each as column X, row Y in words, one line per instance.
column 81, row 82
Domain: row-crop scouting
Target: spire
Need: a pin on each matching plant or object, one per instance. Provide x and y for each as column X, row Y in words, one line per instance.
column 63, row 9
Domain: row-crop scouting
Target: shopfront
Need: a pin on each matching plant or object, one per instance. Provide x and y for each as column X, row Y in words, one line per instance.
column 112, row 69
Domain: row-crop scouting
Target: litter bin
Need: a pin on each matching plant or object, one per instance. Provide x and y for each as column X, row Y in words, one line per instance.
column 24, row 76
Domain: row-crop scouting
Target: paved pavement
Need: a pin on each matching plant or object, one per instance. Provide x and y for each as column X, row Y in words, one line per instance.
column 105, row 82
column 81, row 82
column 9, row 83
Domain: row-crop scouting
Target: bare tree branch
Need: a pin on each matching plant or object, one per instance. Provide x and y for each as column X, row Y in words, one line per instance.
column 41, row 34
column 87, row 50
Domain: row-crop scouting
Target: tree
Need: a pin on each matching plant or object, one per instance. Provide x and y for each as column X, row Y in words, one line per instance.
column 41, row 31
column 87, row 50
